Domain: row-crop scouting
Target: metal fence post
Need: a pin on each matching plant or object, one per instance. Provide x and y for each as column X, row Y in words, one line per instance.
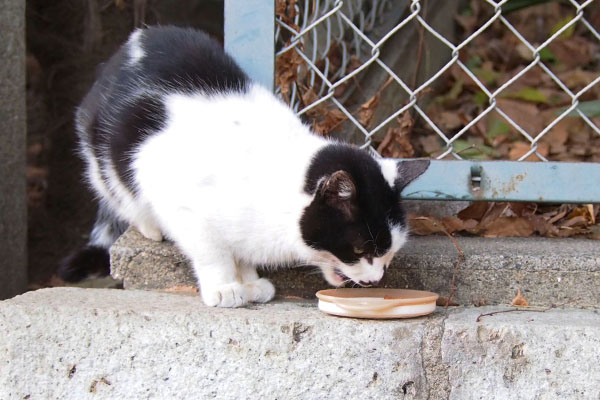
column 250, row 37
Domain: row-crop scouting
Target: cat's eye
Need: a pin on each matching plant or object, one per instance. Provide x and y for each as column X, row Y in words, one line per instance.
column 358, row 251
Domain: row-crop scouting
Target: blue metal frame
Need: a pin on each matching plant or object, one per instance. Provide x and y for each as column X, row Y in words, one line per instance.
column 554, row 182
column 250, row 39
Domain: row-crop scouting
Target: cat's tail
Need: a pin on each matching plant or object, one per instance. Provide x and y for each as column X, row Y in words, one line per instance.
column 93, row 259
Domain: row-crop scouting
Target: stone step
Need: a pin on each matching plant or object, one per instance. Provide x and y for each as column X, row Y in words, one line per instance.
column 72, row 343
column 547, row 271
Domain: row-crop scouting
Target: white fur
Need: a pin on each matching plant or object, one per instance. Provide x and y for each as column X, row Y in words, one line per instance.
column 136, row 51
column 212, row 210
column 389, row 169
column 102, row 236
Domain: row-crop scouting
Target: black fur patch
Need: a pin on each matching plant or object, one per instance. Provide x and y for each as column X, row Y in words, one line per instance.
column 136, row 121
column 89, row 261
column 325, row 227
column 189, row 60
column 125, row 105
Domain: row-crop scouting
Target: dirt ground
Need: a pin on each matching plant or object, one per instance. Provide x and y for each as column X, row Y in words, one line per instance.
column 66, row 39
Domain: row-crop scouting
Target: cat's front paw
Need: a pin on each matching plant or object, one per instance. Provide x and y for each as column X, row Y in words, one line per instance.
column 260, row 290
column 229, row 295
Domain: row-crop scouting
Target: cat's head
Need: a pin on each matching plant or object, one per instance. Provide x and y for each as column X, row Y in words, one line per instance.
column 355, row 221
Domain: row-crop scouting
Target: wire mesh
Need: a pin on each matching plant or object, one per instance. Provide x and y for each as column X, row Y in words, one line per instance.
column 326, row 48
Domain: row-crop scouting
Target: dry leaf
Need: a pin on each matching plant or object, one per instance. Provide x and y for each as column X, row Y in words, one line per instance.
column 509, row 226
column 495, row 211
column 448, row 120
column 366, row 111
column 290, row 297
column 308, row 98
column 396, row 143
column 573, row 52
column 331, row 120
column 577, row 78
column 287, row 71
column 182, row 289
column 474, row 211
column 519, row 300
column 592, row 214
column 286, row 10
column 543, row 227
column 420, row 225
column 441, row 301
column 558, row 216
column 453, row 224
column 558, row 136
column 519, row 149
column 280, row 7
column 580, row 220
column 523, row 114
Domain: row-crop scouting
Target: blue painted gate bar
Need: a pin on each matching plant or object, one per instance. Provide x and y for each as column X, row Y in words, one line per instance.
column 555, row 182
column 250, row 37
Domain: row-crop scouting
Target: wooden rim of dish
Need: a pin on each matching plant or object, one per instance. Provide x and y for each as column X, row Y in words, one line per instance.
column 376, row 297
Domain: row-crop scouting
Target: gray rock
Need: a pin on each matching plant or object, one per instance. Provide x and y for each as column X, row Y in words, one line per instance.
column 13, row 205
column 69, row 343
column 547, row 271
column 523, row 355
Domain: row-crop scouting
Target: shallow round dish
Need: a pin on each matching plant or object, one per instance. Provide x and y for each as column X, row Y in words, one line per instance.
column 376, row 303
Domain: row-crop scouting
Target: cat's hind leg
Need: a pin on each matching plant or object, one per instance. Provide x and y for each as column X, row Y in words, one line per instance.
column 259, row 290
column 146, row 224
column 149, row 229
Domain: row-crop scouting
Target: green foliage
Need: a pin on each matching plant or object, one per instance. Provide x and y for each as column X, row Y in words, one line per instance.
column 588, row 108
column 470, row 151
column 528, row 94
column 547, row 56
column 488, row 76
column 481, row 99
column 497, row 128
column 560, row 24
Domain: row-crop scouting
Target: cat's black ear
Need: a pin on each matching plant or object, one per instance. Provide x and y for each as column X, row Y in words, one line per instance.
column 338, row 190
column 408, row 171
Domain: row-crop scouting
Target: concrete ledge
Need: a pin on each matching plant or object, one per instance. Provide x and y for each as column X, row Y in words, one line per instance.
column 547, row 271
column 69, row 343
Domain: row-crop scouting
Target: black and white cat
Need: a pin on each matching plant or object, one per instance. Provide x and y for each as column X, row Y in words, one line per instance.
column 179, row 142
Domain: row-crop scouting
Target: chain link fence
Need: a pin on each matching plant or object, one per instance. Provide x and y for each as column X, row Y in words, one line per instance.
column 340, row 64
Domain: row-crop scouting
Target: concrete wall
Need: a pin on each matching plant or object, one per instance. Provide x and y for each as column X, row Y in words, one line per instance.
column 13, row 207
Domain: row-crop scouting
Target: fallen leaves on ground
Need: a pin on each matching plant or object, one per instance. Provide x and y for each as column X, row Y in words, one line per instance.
column 514, row 220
